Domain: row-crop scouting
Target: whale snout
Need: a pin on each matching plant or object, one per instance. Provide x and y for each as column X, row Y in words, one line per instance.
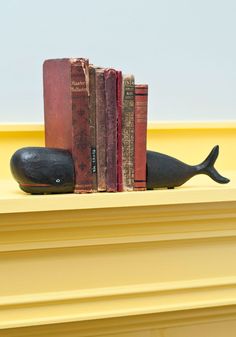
column 43, row 170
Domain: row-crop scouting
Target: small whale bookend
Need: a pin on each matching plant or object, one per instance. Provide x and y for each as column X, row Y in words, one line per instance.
column 167, row 172
column 41, row 170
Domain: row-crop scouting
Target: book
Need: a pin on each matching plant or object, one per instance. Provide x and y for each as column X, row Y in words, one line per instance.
column 140, row 122
column 128, row 132
column 101, row 130
column 111, row 126
column 119, row 130
column 66, row 111
column 92, row 123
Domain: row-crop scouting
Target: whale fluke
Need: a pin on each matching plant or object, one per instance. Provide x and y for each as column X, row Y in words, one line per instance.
column 207, row 167
column 167, row 172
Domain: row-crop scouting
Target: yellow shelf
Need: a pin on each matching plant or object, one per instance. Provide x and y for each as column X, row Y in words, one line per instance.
column 133, row 264
column 198, row 190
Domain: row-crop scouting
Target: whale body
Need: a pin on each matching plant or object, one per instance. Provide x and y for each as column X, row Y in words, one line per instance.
column 42, row 170
column 165, row 171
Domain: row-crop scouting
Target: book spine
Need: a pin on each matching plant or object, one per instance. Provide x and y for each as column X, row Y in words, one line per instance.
column 57, row 103
column 111, row 126
column 119, row 130
column 92, row 122
column 141, row 101
column 128, row 132
column 81, row 144
column 101, row 130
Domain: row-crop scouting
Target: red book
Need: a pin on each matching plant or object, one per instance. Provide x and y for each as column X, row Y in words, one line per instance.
column 92, row 119
column 66, row 110
column 111, row 126
column 140, row 122
column 101, row 130
column 119, row 130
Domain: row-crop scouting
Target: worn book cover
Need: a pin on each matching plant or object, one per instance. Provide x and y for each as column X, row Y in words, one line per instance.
column 92, row 123
column 128, row 132
column 111, row 126
column 101, row 130
column 141, row 109
column 119, row 130
column 66, row 111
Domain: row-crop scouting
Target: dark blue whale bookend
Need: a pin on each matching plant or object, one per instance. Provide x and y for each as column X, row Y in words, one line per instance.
column 165, row 171
column 42, row 170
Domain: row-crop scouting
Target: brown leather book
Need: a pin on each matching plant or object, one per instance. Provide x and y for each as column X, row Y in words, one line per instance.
column 66, row 110
column 92, row 122
column 101, row 130
column 128, row 132
column 119, row 130
column 111, row 126
column 140, row 121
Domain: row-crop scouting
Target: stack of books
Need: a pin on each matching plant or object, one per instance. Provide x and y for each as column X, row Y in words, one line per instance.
column 100, row 116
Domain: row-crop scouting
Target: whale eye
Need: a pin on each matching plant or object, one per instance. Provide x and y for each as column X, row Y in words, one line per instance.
column 58, row 181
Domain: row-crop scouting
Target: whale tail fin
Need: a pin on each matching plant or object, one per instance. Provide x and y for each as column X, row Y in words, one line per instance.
column 207, row 167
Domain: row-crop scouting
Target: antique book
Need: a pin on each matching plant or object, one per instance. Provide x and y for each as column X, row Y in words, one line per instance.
column 119, row 130
column 66, row 110
column 140, row 122
column 101, row 130
column 128, row 132
column 92, row 123
column 111, row 126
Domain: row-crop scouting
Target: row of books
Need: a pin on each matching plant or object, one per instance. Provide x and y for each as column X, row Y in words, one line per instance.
column 100, row 116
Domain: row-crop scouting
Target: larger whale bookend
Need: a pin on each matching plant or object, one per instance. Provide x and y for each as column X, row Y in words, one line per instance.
column 165, row 171
column 41, row 170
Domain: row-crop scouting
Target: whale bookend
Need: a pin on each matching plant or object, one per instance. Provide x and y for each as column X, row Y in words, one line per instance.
column 41, row 170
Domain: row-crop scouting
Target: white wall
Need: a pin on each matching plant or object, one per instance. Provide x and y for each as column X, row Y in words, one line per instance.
column 184, row 49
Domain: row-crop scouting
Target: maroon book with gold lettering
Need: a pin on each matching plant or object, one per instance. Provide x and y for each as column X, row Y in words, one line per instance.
column 140, row 122
column 111, row 126
column 66, row 110
column 92, row 118
column 119, row 130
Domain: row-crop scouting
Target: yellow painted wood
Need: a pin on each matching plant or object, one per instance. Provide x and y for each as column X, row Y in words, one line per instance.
column 155, row 263
column 199, row 190
column 86, row 265
column 204, row 322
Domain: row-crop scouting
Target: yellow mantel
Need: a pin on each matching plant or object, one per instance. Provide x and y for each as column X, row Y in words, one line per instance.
column 198, row 190
column 138, row 264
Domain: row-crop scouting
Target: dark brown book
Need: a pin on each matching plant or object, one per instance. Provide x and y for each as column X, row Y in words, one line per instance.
column 140, row 122
column 119, row 130
column 101, row 130
column 66, row 109
column 111, row 126
column 92, row 122
column 128, row 132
